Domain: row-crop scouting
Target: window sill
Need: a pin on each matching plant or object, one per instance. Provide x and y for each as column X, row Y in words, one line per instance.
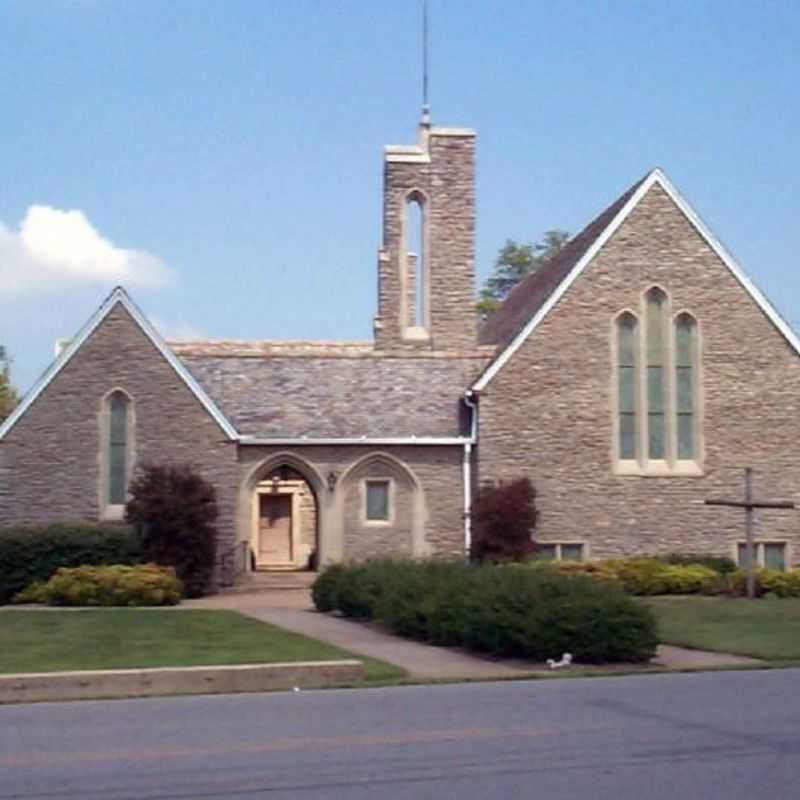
column 658, row 469
column 115, row 513
column 416, row 334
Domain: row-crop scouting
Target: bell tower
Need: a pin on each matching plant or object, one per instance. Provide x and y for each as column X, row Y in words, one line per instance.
column 426, row 265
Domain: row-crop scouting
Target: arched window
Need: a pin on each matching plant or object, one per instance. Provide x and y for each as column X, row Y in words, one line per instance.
column 118, row 447
column 686, row 384
column 416, row 264
column 658, row 430
column 656, row 362
column 627, row 334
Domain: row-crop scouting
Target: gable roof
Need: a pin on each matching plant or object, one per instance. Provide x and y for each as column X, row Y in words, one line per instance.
column 532, row 299
column 118, row 297
column 276, row 391
column 530, row 294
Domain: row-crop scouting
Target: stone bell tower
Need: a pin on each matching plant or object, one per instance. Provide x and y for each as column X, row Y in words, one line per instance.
column 426, row 266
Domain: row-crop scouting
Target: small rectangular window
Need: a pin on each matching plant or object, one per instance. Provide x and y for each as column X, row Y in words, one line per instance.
column 572, row 552
column 775, row 555
column 767, row 554
column 545, row 552
column 377, row 501
column 742, row 555
column 559, row 551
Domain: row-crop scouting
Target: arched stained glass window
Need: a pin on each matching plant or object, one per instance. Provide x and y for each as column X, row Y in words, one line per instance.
column 656, row 374
column 118, row 414
column 658, row 426
column 626, row 384
column 685, row 384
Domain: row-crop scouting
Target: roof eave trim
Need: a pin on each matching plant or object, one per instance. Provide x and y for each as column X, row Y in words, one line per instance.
column 656, row 176
column 534, row 322
column 119, row 295
column 356, row 440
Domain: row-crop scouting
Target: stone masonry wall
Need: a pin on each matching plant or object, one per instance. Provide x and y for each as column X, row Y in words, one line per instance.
column 437, row 469
column 448, row 183
column 51, row 455
column 369, row 539
column 548, row 414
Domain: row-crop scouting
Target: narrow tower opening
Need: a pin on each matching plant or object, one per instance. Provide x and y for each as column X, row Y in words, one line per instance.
column 416, row 266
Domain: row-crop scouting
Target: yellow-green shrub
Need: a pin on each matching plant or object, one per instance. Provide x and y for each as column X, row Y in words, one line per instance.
column 643, row 576
column 601, row 571
column 783, row 584
column 115, row 585
column 767, row 581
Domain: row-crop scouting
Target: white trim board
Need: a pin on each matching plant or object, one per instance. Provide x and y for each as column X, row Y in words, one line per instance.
column 118, row 296
column 655, row 177
column 356, row 440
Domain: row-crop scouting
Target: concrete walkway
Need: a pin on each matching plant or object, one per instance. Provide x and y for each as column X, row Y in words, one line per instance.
column 294, row 611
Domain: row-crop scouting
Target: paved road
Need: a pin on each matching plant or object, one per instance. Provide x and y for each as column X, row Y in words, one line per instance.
column 709, row 736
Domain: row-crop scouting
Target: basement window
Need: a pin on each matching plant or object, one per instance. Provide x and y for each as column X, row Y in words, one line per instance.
column 559, row 551
column 768, row 554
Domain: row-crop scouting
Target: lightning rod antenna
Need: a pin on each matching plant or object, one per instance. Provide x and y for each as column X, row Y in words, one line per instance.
column 426, row 109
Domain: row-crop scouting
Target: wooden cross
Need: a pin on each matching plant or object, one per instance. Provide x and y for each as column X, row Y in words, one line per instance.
column 749, row 504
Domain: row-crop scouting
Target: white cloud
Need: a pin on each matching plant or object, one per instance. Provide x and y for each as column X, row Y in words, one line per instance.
column 55, row 250
column 178, row 331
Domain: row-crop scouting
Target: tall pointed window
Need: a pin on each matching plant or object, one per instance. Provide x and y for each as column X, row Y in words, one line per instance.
column 415, row 271
column 685, row 381
column 657, row 382
column 626, row 384
column 118, row 448
column 656, row 432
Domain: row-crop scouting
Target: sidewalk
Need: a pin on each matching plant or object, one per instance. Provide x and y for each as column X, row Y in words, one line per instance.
column 294, row 611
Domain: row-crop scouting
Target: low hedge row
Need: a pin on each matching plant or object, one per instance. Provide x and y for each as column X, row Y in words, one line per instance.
column 767, row 582
column 34, row 553
column 112, row 585
column 656, row 576
column 502, row 610
column 644, row 576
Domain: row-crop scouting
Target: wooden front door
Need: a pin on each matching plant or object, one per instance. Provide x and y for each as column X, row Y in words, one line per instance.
column 274, row 529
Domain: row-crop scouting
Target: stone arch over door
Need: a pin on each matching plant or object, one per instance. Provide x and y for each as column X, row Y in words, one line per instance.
column 281, row 514
column 402, row 533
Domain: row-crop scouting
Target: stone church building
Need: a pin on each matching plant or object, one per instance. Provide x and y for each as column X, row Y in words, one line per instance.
column 631, row 378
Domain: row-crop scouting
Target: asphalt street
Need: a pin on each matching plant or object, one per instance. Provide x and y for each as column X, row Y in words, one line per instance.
column 725, row 735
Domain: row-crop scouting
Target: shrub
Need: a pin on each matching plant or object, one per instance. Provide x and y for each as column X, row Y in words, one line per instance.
column 719, row 564
column 324, row 591
column 33, row 553
column 503, row 610
column 114, row 585
column 650, row 576
column 602, row 571
column 767, row 581
column 782, row 584
column 175, row 509
column 503, row 519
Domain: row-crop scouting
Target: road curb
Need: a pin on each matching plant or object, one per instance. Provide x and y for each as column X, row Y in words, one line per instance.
column 100, row 684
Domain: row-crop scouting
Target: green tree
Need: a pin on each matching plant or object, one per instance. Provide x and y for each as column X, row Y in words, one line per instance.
column 515, row 261
column 8, row 394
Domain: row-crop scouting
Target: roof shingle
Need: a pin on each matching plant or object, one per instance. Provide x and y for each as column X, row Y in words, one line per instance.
column 321, row 395
column 529, row 295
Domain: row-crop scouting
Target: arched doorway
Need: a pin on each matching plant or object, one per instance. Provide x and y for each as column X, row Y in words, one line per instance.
column 284, row 520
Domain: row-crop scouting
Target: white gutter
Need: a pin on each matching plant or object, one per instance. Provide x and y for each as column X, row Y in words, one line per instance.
column 358, row 440
column 467, row 469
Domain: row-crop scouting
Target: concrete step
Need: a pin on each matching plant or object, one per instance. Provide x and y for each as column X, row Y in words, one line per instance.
column 271, row 582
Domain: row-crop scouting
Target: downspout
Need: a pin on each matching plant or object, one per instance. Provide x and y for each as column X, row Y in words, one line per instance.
column 467, row 469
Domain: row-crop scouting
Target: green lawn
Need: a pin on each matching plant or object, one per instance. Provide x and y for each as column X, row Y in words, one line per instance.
column 767, row 629
column 54, row 640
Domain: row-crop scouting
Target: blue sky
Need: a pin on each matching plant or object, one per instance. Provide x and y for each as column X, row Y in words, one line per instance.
column 224, row 159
